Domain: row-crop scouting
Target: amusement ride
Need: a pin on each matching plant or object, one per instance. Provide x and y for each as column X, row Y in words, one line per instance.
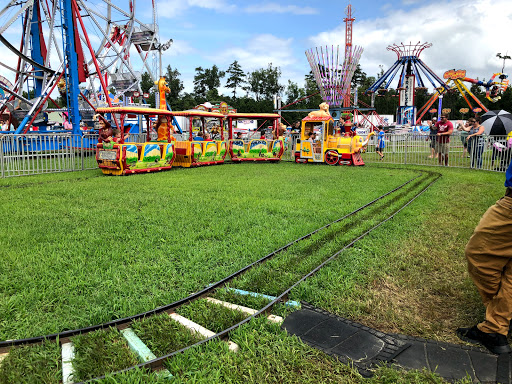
column 411, row 68
column 92, row 53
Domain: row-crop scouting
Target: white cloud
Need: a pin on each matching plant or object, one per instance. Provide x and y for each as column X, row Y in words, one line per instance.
column 278, row 8
column 258, row 52
column 173, row 9
column 179, row 48
column 464, row 35
column 218, row 5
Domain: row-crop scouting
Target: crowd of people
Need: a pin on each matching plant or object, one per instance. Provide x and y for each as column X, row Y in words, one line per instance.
column 472, row 139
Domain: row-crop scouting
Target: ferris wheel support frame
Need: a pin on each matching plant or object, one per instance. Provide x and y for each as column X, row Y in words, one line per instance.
column 103, row 85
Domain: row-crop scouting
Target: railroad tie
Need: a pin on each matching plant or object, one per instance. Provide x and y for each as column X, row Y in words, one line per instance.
column 240, row 308
column 141, row 350
column 194, row 327
column 289, row 303
column 3, row 356
column 68, row 354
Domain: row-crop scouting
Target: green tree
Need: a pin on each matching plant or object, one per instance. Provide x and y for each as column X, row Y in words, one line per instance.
column 359, row 78
column 206, row 80
column 147, row 85
column 264, row 83
column 236, row 77
column 175, row 85
column 294, row 92
column 311, row 88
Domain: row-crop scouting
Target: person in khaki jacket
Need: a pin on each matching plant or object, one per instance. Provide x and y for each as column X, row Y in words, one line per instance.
column 489, row 256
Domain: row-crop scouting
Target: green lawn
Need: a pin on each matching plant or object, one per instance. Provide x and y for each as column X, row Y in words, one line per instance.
column 81, row 248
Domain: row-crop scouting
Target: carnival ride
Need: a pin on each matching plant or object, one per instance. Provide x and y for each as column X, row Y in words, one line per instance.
column 256, row 149
column 199, row 150
column 411, row 69
column 116, row 157
column 80, row 48
column 333, row 70
column 333, row 147
column 455, row 80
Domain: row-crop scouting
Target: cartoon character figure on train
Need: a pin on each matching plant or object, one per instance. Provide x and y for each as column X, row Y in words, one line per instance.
column 163, row 88
column 164, row 129
column 323, row 112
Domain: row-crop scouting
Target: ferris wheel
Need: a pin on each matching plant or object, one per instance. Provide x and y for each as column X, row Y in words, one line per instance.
column 91, row 52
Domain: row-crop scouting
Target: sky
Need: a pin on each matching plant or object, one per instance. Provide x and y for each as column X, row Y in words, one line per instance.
column 465, row 34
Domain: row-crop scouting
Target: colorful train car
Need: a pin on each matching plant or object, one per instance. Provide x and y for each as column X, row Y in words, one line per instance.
column 255, row 149
column 321, row 142
column 201, row 149
column 115, row 157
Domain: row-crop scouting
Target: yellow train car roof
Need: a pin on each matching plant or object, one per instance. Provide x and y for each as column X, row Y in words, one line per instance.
column 138, row 110
column 253, row 116
column 317, row 118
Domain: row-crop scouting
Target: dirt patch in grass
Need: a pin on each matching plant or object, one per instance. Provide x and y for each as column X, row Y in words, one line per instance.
column 410, row 310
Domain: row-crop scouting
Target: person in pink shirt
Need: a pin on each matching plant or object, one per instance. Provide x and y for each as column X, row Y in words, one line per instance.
column 444, row 131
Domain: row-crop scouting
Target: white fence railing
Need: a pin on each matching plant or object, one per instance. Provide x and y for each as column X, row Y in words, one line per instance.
column 37, row 153
column 491, row 153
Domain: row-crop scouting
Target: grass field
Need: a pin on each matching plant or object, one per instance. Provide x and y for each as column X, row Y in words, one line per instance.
column 78, row 249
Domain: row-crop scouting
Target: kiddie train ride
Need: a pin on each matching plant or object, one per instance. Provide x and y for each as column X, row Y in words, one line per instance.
column 256, row 149
column 332, row 147
column 115, row 157
column 200, row 150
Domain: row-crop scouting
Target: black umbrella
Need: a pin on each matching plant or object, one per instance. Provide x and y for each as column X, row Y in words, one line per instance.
column 497, row 123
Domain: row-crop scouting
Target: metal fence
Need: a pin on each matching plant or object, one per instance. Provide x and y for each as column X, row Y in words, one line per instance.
column 489, row 153
column 38, row 153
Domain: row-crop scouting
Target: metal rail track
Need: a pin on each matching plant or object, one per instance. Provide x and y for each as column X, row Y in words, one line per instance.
column 158, row 363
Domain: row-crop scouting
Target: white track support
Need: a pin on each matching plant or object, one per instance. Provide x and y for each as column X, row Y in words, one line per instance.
column 196, row 328
column 140, row 349
column 249, row 311
column 3, row 356
column 68, row 354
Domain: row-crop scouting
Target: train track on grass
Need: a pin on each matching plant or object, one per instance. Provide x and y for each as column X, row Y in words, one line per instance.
column 385, row 207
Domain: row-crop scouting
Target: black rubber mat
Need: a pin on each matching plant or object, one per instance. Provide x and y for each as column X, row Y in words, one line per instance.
column 365, row 348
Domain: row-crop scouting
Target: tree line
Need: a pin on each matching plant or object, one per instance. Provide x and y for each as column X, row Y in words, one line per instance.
column 254, row 92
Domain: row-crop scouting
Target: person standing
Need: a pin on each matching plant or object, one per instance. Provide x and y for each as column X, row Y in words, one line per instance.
column 464, row 132
column 476, row 143
column 380, row 142
column 489, row 257
column 444, row 131
column 433, row 138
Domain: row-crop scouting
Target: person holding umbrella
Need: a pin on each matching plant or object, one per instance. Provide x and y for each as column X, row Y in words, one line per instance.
column 498, row 124
column 489, row 257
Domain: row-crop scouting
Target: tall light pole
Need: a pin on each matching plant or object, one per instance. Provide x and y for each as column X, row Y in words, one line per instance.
column 504, row 57
column 161, row 48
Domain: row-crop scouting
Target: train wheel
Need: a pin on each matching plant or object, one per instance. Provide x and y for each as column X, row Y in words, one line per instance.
column 331, row 157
